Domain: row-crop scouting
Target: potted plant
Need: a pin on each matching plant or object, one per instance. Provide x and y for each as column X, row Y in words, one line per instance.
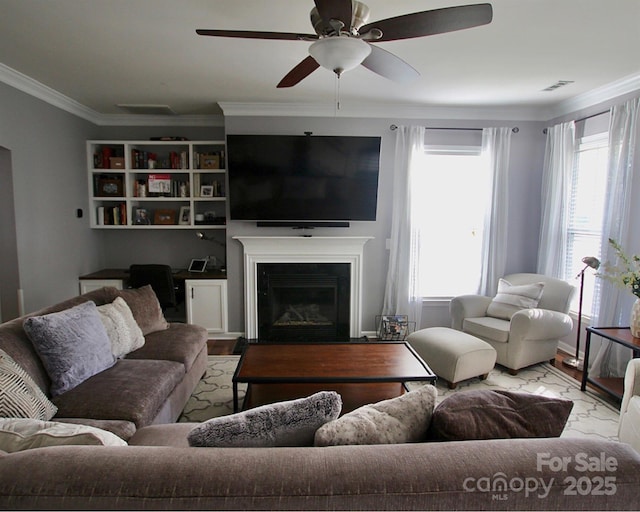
column 625, row 273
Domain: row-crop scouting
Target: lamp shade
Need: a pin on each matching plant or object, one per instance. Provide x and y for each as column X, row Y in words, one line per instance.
column 339, row 54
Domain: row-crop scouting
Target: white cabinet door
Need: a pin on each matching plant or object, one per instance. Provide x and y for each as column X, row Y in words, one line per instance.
column 207, row 303
column 88, row 285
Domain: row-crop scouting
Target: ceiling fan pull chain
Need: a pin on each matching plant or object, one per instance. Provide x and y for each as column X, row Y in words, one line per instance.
column 337, row 95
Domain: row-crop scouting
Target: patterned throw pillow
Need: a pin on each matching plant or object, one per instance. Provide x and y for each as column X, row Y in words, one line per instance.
column 20, row 396
column 17, row 434
column 512, row 298
column 290, row 423
column 123, row 331
column 72, row 344
column 398, row 420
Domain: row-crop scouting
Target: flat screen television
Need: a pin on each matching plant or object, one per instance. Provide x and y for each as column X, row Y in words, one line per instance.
column 302, row 179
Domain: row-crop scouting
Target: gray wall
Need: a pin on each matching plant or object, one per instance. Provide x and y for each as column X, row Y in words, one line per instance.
column 47, row 156
column 49, row 183
column 527, row 153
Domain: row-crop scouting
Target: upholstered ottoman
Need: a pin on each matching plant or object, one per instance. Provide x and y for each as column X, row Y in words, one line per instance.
column 453, row 355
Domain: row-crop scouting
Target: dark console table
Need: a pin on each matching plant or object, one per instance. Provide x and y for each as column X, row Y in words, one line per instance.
column 620, row 335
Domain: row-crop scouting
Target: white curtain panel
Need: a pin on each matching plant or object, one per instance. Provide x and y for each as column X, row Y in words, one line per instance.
column 556, row 182
column 615, row 304
column 496, row 146
column 401, row 295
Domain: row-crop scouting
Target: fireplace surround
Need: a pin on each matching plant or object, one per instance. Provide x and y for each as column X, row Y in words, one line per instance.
column 307, row 250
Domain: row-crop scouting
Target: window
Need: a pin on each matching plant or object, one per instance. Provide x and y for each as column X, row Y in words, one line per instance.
column 451, row 196
column 586, row 211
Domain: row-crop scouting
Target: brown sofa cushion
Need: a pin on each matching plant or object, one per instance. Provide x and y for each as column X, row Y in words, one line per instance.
column 122, row 428
column 145, row 308
column 132, row 390
column 180, row 343
column 498, row 414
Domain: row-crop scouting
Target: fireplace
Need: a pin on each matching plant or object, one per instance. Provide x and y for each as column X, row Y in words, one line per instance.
column 303, row 301
column 347, row 250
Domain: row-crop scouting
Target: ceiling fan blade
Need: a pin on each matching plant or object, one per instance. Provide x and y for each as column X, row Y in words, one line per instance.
column 335, row 10
column 248, row 34
column 390, row 66
column 299, row 73
column 428, row 23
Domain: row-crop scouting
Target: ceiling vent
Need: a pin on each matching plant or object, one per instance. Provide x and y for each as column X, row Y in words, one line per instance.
column 147, row 110
column 557, row 85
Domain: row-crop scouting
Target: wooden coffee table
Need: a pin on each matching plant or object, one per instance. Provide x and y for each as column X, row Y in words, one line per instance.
column 362, row 372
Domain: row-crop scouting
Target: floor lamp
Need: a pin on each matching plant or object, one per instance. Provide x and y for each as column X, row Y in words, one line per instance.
column 589, row 262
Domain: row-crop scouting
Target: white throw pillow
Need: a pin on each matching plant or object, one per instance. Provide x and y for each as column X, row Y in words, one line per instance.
column 17, row 434
column 123, row 330
column 512, row 298
column 20, row 396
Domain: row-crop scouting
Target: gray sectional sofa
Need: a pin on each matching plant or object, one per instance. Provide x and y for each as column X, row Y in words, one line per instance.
column 148, row 386
column 140, row 397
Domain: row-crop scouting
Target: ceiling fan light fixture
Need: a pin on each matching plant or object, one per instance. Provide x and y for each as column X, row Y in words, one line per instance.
column 339, row 54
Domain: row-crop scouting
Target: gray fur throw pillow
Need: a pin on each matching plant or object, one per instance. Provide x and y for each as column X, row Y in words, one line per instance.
column 72, row 344
column 290, row 423
column 398, row 420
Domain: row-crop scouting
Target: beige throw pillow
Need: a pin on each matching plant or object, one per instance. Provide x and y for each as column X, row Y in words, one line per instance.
column 17, row 434
column 20, row 396
column 512, row 298
column 398, row 420
column 123, row 331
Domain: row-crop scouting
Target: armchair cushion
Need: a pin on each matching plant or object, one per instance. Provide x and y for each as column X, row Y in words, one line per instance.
column 487, row 327
column 512, row 298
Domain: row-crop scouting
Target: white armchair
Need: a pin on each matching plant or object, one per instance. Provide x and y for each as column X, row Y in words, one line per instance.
column 629, row 426
column 531, row 335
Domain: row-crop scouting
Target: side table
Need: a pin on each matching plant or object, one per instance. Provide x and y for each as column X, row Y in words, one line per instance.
column 620, row 335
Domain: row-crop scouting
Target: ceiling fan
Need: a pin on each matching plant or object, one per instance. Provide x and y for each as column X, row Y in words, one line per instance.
column 343, row 37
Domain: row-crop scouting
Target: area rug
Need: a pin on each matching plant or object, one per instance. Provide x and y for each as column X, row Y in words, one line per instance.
column 591, row 416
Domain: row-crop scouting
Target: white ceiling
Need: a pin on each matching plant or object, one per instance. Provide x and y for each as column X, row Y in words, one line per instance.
column 101, row 53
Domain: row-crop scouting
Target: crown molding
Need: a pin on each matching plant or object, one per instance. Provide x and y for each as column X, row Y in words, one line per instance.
column 38, row 90
column 154, row 120
column 510, row 113
column 602, row 94
column 608, row 92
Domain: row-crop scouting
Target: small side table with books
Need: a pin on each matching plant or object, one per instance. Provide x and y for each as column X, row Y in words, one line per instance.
column 620, row 335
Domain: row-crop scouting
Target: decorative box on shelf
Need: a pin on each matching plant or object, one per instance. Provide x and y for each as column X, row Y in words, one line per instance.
column 116, row 162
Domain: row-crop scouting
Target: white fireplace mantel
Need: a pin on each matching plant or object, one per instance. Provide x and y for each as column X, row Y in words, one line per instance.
column 302, row 249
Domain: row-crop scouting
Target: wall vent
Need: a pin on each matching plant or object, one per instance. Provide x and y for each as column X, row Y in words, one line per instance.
column 557, row 85
column 148, row 110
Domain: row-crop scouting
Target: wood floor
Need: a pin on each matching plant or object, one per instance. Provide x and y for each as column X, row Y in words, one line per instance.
column 225, row 347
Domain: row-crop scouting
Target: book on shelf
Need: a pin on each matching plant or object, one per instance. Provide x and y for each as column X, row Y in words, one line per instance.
column 112, row 215
column 159, row 183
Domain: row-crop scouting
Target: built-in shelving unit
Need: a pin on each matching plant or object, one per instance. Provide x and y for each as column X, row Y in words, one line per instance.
column 157, row 184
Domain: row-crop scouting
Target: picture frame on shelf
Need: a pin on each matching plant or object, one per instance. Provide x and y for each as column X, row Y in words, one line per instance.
column 141, row 217
column 393, row 327
column 164, row 217
column 185, row 215
column 206, row 191
column 209, row 161
column 110, row 187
